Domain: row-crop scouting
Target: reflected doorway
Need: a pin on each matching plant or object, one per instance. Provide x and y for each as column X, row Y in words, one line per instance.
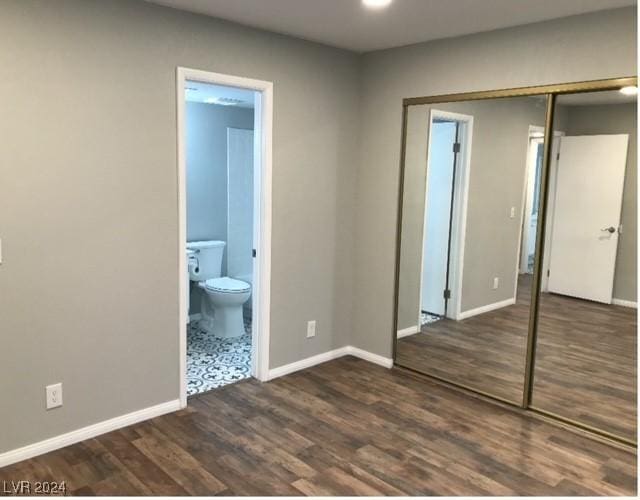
column 445, row 210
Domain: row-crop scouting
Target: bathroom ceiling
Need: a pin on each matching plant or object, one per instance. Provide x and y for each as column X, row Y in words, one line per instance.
column 218, row 94
column 350, row 25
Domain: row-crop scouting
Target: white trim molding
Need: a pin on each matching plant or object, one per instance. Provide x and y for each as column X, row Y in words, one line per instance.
column 487, row 308
column 307, row 362
column 263, row 152
column 624, row 303
column 376, row 359
column 91, row 431
column 328, row 356
column 405, row 332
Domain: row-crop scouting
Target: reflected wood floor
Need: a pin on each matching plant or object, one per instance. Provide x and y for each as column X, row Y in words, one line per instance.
column 585, row 364
column 346, row 427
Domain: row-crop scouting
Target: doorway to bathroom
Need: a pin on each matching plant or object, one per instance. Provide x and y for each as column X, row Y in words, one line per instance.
column 224, row 174
column 449, row 144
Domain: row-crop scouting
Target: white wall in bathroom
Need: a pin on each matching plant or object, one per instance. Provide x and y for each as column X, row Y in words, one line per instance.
column 240, row 206
column 207, row 168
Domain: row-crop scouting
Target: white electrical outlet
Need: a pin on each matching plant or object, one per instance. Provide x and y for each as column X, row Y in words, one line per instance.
column 311, row 329
column 496, row 283
column 54, row 396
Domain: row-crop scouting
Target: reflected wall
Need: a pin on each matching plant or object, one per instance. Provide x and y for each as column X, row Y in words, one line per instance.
column 464, row 288
column 517, row 249
column 585, row 367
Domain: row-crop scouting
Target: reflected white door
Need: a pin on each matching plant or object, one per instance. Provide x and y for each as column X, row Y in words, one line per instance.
column 586, row 217
column 440, row 174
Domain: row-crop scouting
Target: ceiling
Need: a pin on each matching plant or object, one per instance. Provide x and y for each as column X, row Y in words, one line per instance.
column 218, row 94
column 348, row 24
column 596, row 98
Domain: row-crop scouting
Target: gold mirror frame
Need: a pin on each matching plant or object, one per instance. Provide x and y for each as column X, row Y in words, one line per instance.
column 550, row 92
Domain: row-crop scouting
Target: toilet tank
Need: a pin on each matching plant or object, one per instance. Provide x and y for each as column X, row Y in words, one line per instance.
column 206, row 261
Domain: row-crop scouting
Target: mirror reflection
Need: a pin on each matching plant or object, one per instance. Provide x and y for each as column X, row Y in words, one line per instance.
column 585, row 368
column 469, row 219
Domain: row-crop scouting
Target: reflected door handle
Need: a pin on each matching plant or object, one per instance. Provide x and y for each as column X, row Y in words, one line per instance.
column 610, row 229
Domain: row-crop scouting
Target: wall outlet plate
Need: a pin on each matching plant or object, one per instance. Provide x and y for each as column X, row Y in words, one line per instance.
column 496, row 283
column 54, row 396
column 311, row 329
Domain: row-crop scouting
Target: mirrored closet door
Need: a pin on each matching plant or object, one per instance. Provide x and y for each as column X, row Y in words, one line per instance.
column 516, row 272
column 471, row 191
column 585, row 364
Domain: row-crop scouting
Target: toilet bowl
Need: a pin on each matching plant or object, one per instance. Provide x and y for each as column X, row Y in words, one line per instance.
column 221, row 306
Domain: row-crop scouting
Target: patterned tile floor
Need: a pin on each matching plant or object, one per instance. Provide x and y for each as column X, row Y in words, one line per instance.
column 426, row 318
column 213, row 362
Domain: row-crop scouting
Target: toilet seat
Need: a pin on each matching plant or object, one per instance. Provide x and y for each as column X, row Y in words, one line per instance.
column 227, row 285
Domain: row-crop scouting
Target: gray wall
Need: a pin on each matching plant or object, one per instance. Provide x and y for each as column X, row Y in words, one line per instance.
column 617, row 119
column 88, row 200
column 600, row 45
column 496, row 183
column 88, row 194
column 207, row 167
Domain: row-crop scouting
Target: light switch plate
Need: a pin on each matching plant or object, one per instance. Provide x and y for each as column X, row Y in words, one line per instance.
column 54, row 396
column 311, row 329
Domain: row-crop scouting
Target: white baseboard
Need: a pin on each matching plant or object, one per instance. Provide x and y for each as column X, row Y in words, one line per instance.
column 307, row 362
column 624, row 303
column 370, row 357
column 487, row 308
column 91, row 431
column 405, row 332
column 328, row 356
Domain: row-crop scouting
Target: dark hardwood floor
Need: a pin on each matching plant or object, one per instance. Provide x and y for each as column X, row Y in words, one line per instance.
column 585, row 364
column 346, row 427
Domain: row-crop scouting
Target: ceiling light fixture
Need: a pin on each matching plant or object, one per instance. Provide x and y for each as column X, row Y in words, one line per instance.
column 631, row 90
column 376, row 4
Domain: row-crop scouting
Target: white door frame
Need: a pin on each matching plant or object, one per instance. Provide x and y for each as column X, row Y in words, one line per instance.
column 536, row 134
column 459, row 218
column 261, row 292
column 525, row 220
column 551, row 207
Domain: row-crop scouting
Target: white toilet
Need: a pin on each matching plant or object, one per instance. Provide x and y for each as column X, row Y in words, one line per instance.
column 222, row 297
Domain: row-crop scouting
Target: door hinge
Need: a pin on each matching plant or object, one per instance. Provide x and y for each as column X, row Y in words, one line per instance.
column 254, row 253
column 447, row 294
column 456, row 147
column 548, row 272
column 558, row 157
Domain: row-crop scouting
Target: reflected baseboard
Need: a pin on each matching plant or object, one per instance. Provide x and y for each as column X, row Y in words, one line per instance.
column 405, row 332
column 624, row 303
column 487, row 308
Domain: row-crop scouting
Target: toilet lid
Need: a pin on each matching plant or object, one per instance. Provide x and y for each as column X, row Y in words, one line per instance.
column 227, row 285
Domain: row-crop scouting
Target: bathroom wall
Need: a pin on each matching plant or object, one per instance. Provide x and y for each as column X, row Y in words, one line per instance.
column 207, row 179
column 617, row 119
column 207, row 199
column 89, row 208
column 587, row 47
